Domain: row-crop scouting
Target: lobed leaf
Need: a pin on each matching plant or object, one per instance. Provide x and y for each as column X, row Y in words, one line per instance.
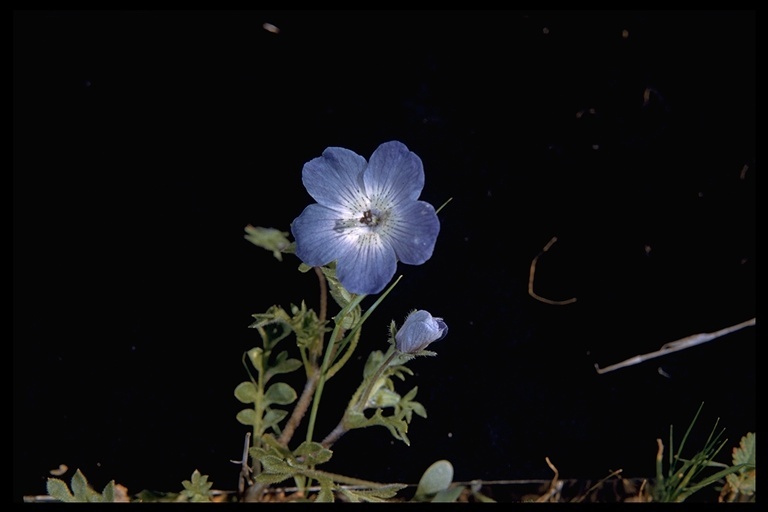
column 58, row 489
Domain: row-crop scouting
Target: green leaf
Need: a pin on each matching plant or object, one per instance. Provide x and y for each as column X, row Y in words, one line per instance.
column 255, row 355
column 326, row 491
column 80, row 486
column 351, row 319
column 307, row 326
column 268, row 238
column 81, row 490
column 274, row 464
column 383, row 398
column 247, row 417
column 198, row 489
column 108, row 494
column 280, row 393
column 436, row 478
column 744, row 456
column 274, row 326
column 338, row 292
column 745, row 453
column 396, row 426
column 377, row 494
column 269, row 441
column 706, row 482
column 448, row 495
column 411, row 394
column 357, row 496
column 314, row 453
column 273, row 417
column 147, row 496
column 374, row 361
column 272, row 478
column 284, row 365
column 418, row 409
column 247, row 393
column 480, row 497
column 683, row 481
column 58, row 489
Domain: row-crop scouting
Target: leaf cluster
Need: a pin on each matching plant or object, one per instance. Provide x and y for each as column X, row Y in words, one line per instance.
column 684, row 477
column 81, row 490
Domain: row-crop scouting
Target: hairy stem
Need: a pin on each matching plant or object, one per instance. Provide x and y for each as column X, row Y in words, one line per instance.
column 359, row 404
column 300, row 409
column 326, row 362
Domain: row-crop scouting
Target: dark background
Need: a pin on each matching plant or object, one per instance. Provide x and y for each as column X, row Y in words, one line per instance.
column 144, row 143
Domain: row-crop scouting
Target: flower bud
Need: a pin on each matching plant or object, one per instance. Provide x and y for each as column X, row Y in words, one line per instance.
column 418, row 331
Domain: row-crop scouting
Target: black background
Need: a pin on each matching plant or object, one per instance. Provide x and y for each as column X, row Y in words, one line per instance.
column 144, row 143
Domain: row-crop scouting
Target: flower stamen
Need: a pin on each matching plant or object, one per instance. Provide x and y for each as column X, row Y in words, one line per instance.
column 368, row 218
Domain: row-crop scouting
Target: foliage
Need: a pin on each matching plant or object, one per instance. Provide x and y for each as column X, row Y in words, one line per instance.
column 81, row 490
column 299, row 343
column 742, row 485
column 685, row 477
column 376, row 402
column 197, row 489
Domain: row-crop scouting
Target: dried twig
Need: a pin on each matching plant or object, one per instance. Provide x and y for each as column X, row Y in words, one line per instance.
column 674, row 346
column 554, row 487
column 743, row 172
column 598, row 484
column 533, row 271
column 245, row 470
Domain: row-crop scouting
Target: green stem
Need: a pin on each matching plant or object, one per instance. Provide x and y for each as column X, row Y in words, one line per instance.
column 363, row 400
column 358, row 402
column 353, row 336
column 342, row 479
column 259, row 405
column 326, row 361
column 309, row 358
column 325, row 373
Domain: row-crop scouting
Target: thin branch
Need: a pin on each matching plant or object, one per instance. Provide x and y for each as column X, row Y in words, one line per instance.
column 245, row 469
column 743, row 172
column 533, row 271
column 674, row 346
column 554, row 487
column 597, row 485
column 359, row 405
column 300, row 409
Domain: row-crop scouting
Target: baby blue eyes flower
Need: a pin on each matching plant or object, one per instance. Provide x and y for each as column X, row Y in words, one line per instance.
column 419, row 330
column 367, row 217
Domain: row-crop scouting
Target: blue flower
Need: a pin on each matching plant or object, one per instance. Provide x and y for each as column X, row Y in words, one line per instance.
column 367, row 216
column 419, row 330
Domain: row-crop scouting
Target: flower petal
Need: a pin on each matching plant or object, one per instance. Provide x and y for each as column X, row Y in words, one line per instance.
column 318, row 240
column 413, row 232
column 367, row 217
column 394, row 174
column 333, row 179
column 365, row 264
column 418, row 331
